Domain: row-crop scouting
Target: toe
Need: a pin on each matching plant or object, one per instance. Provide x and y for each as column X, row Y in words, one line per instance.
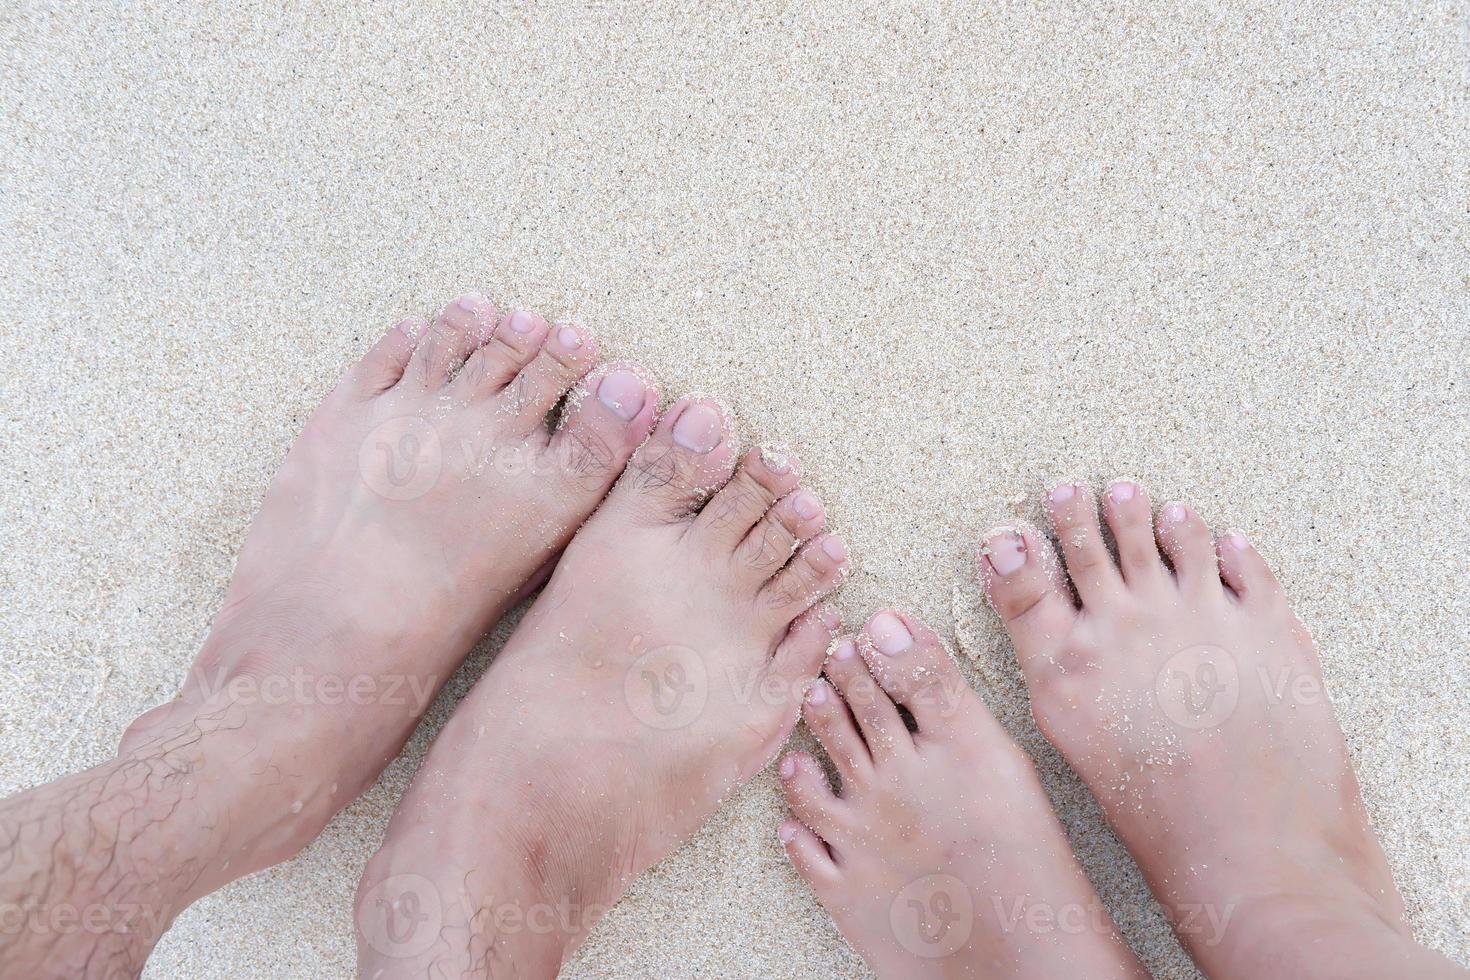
column 567, row 354
column 909, row 662
column 882, row 727
column 813, row 572
column 382, row 367
column 459, row 328
column 810, row 796
column 1244, row 570
column 794, row 519
column 797, row 661
column 828, row 718
column 1130, row 517
column 1074, row 515
column 761, row 480
column 687, row 457
column 1186, row 539
column 1020, row 576
column 809, row 856
column 514, row 342
column 606, row 418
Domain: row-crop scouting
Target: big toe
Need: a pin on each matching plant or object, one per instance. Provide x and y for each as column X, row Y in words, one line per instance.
column 912, row 666
column 606, row 418
column 688, row 457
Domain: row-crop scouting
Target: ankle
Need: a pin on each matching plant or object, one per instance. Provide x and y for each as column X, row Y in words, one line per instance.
column 253, row 772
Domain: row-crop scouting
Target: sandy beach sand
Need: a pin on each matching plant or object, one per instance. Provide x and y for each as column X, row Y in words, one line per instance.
column 948, row 257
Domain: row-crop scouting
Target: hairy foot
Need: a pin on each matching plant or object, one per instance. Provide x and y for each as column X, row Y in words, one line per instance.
column 940, row 855
column 663, row 665
column 1187, row 695
column 422, row 497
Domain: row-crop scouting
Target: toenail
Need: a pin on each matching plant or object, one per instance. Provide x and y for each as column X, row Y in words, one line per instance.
column 411, row 328
column 835, row 548
column 1063, row 493
column 522, row 322
column 889, row 634
column 1006, row 552
column 568, row 338
column 471, row 302
column 698, row 429
column 776, row 461
column 1122, row 492
column 1174, row 513
column 846, row 650
column 1237, row 541
column 817, row 694
column 623, row 392
column 807, row 506
column 788, row 766
column 786, row 832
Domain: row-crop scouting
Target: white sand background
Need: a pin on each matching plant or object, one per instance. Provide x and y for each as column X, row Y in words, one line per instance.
column 949, row 256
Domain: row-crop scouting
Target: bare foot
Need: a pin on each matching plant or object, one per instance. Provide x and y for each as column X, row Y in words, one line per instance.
column 940, row 856
column 1189, row 698
column 663, row 665
column 422, row 497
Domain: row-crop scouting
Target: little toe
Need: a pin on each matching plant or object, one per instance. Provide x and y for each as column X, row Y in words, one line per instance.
column 1245, row 571
column 815, row 570
column 760, row 481
column 911, row 664
column 797, row 661
column 383, row 366
column 1130, row 517
column 512, row 343
column 794, row 519
column 809, row 856
column 810, row 796
column 883, row 730
column 459, row 328
column 1074, row 515
column 567, row 353
column 688, row 457
column 829, row 719
column 1185, row 538
column 1021, row 578
column 606, row 418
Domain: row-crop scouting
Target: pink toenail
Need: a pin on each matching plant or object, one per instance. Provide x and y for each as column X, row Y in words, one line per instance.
column 817, row 694
column 776, row 461
column 1063, row 493
column 1237, row 541
column 1007, row 553
column 788, row 766
column 472, row 302
column 846, row 650
column 522, row 322
column 807, row 506
column 411, row 328
column 623, row 392
column 699, row 429
column 1122, row 492
column 835, row 548
column 1174, row 513
column 568, row 338
column 889, row 634
column 786, row 832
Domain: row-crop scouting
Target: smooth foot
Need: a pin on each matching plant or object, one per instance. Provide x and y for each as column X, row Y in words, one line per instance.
column 422, row 497
column 939, row 856
column 1187, row 695
column 662, row 666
